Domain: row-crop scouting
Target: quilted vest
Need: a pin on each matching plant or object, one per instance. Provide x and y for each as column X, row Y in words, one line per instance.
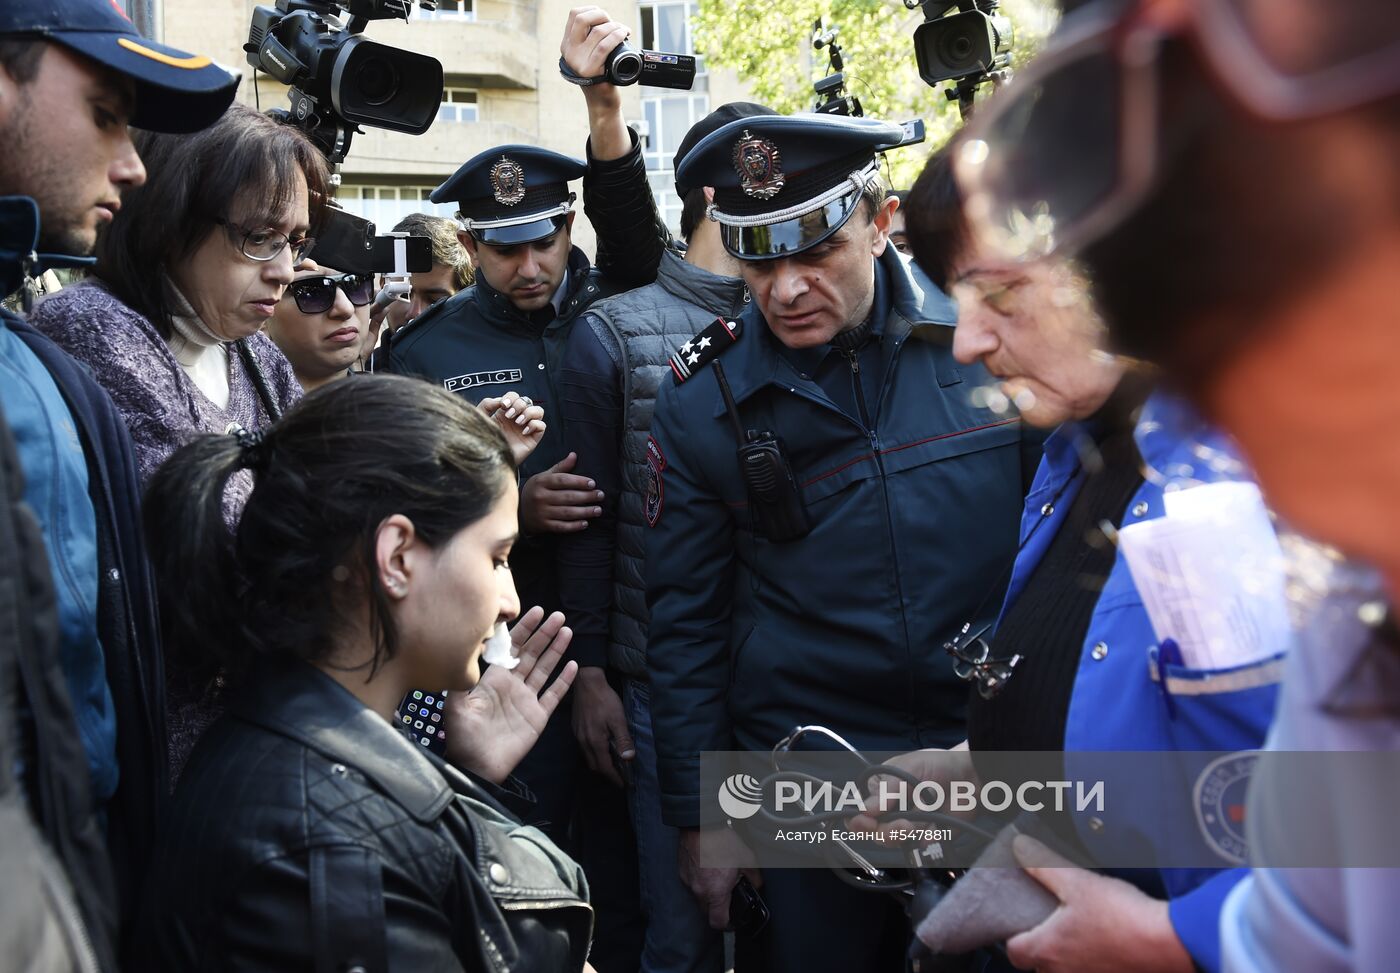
column 642, row 328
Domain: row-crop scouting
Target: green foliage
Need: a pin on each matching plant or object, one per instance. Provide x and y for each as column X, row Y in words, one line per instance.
column 768, row 44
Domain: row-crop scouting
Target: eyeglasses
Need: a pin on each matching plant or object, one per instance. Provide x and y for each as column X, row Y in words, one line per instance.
column 1061, row 157
column 265, row 244
column 973, row 661
column 316, row 295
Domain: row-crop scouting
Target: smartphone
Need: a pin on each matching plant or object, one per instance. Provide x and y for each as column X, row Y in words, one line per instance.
column 421, row 716
column 747, row 912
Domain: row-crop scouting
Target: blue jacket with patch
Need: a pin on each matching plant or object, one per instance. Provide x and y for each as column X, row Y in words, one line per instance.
column 1120, row 698
column 913, row 502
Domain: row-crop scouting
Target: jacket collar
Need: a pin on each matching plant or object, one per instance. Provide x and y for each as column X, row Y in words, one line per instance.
column 694, row 285
column 756, row 359
column 497, row 307
column 19, row 241
column 297, row 701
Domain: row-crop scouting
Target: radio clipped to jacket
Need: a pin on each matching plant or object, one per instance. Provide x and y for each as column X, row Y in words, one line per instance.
column 775, row 497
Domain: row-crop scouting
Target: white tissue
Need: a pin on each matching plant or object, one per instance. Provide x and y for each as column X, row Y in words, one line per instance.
column 498, row 648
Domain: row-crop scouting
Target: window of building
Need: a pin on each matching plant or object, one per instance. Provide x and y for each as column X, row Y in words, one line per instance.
column 665, row 26
column 386, row 205
column 458, row 105
column 450, row 10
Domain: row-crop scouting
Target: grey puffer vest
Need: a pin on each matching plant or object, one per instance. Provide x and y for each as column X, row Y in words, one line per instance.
column 641, row 329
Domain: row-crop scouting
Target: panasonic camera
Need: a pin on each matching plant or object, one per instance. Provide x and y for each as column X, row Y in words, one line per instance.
column 340, row 79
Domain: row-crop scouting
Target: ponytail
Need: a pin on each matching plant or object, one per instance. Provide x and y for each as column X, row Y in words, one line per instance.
column 192, row 551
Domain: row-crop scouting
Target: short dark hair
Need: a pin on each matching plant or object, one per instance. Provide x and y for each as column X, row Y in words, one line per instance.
column 301, row 565
column 447, row 249
column 693, row 209
column 935, row 226
column 19, row 56
column 191, row 182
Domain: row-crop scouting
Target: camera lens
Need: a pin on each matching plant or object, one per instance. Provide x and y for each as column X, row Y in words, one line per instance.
column 378, row 80
column 958, row 49
column 624, row 66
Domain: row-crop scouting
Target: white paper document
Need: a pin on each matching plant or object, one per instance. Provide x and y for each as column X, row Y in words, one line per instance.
column 1211, row 575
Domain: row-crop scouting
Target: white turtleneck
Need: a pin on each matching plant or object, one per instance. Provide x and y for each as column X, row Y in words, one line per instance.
column 201, row 353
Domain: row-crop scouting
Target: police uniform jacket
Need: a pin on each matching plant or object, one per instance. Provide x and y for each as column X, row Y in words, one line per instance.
column 914, row 513
column 478, row 344
column 1124, row 700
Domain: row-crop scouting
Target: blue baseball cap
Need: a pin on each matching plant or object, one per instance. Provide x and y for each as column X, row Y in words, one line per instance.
column 784, row 183
column 512, row 194
column 175, row 91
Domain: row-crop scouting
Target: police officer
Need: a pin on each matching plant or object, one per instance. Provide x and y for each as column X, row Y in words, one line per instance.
column 825, row 598
column 508, row 332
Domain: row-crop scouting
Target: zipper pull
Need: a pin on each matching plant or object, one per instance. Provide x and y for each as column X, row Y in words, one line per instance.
column 27, row 291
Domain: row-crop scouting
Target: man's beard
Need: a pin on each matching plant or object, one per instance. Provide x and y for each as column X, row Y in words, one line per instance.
column 27, row 170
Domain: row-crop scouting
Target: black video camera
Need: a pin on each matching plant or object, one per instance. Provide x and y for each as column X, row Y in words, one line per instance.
column 968, row 48
column 656, row 69
column 339, row 79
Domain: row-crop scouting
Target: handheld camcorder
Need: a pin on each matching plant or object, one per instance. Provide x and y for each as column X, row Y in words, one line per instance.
column 973, row 43
column 656, row 69
column 340, row 79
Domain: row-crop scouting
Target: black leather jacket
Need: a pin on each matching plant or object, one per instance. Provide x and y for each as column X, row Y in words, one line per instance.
column 308, row 834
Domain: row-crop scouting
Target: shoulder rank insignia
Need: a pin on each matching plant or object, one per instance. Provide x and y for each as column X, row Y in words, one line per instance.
column 704, row 348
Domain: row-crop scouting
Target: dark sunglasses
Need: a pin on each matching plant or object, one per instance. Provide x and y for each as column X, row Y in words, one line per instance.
column 316, row 295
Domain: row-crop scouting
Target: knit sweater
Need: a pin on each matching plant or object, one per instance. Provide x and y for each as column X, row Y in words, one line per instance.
column 164, row 409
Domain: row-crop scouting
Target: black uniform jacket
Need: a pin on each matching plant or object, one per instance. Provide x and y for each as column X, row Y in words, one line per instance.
column 478, row 344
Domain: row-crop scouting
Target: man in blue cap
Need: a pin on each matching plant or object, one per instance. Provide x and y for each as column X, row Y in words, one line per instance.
column 508, row 332
column 827, row 598
column 83, row 651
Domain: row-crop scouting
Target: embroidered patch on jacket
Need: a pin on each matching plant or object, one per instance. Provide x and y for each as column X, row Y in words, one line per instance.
column 656, row 464
column 501, row 376
column 1220, row 810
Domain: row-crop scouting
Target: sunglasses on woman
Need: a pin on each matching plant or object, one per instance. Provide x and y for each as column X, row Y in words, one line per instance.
column 316, row 295
column 1061, row 157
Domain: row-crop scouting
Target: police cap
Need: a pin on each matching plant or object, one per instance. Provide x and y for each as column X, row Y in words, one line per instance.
column 712, row 122
column 784, row 183
column 512, row 194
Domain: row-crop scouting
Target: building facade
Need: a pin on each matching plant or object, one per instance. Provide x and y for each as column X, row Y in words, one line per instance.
column 501, row 86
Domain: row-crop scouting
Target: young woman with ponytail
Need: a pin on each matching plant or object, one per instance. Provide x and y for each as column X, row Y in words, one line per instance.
column 306, row 831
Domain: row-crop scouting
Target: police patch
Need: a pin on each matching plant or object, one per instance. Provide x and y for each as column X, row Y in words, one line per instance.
column 759, row 165
column 1219, row 803
column 508, row 182
column 501, row 376
column 656, row 463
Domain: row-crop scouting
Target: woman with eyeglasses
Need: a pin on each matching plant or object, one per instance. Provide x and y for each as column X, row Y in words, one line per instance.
column 1232, row 187
column 1072, row 663
column 321, row 321
column 190, row 270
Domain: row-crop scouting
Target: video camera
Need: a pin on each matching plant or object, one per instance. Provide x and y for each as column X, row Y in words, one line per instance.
column 339, row 79
column 969, row 48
